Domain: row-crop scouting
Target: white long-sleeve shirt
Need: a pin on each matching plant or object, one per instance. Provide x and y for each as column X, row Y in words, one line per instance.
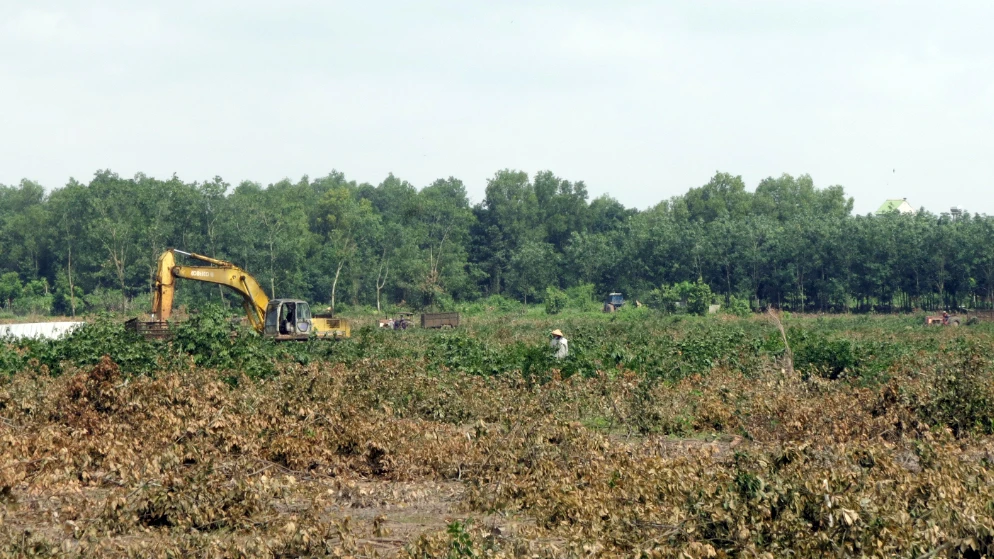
column 561, row 346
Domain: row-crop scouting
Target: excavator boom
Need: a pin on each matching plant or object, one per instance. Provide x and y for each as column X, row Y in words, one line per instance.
column 254, row 299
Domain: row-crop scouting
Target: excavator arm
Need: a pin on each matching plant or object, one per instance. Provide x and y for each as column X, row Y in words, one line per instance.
column 254, row 299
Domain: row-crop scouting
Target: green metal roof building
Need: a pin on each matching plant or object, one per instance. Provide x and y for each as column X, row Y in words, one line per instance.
column 899, row 205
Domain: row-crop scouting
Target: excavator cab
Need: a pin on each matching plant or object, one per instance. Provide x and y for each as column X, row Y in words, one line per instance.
column 288, row 319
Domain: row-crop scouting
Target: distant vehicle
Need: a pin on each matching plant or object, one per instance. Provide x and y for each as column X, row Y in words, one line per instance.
column 440, row 320
column 401, row 322
column 940, row 320
column 614, row 302
column 968, row 317
column 405, row 320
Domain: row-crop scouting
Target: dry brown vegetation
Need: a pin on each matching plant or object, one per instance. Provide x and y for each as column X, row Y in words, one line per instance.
column 386, row 458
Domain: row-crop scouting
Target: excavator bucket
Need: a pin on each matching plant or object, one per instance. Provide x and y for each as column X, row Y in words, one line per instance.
column 151, row 330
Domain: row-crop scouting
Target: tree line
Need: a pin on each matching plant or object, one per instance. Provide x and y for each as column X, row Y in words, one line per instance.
column 93, row 246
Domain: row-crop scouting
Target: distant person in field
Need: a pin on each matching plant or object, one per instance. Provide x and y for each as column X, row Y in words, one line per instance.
column 945, row 317
column 559, row 344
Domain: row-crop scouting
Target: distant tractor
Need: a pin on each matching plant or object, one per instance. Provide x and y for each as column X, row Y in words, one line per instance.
column 614, row 302
column 402, row 322
column 942, row 321
column 968, row 317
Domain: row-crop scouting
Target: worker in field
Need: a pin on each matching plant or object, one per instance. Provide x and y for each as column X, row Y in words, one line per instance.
column 559, row 344
column 945, row 318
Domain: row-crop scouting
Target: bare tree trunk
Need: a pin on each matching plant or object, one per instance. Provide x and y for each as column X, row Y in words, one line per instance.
column 434, row 260
column 334, row 284
column 212, row 239
column 346, row 253
column 118, row 256
column 728, row 284
column 119, row 266
column 272, row 269
column 800, row 288
column 72, row 289
column 381, row 277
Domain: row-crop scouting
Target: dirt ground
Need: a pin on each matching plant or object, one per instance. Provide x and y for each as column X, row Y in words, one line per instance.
column 373, row 518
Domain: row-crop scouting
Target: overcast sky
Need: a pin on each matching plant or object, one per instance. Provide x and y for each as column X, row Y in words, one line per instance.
column 641, row 100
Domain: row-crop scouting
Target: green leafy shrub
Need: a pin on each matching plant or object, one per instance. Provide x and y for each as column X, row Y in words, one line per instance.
column 36, row 288
column 10, row 288
column 581, row 297
column 34, row 299
column 699, row 298
column 630, row 312
column 105, row 300
column 461, row 543
column 958, row 392
column 737, row 306
column 460, row 352
column 208, row 337
column 34, row 305
column 492, row 304
column 105, row 335
column 555, row 300
column 694, row 297
column 537, row 363
column 443, row 302
column 818, row 354
column 10, row 360
column 665, row 298
column 64, row 300
column 702, row 349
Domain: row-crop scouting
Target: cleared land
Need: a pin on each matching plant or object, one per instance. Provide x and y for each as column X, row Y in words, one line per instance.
column 659, row 436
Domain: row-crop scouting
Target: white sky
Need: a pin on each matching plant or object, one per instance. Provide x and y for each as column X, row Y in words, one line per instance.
column 640, row 99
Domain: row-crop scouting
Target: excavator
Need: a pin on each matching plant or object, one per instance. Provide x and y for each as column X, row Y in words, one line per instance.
column 281, row 319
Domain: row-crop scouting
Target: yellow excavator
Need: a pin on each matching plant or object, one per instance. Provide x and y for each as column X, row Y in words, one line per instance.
column 281, row 319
